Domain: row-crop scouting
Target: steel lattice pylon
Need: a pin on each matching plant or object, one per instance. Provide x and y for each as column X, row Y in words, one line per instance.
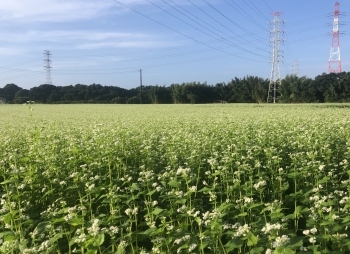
column 47, row 67
column 275, row 78
column 334, row 62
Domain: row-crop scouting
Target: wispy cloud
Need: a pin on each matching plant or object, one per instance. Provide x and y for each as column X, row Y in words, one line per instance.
column 123, row 44
column 81, row 39
column 65, row 10
column 66, row 36
column 53, row 10
column 11, row 51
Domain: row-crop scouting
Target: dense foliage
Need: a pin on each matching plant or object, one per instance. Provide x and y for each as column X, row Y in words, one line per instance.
column 174, row 179
column 324, row 88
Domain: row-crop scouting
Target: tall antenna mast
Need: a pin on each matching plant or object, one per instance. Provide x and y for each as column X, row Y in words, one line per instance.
column 334, row 62
column 275, row 78
column 47, row 67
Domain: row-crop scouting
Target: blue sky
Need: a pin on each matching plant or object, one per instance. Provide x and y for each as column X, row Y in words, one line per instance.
column 172, row 41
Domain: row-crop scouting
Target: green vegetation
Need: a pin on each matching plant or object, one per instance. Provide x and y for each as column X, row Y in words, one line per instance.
column 333, row 87
column 174, row 178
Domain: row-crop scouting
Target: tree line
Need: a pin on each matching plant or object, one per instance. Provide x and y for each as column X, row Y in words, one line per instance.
column 333, row 87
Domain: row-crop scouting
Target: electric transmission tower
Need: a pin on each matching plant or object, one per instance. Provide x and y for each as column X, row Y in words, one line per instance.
column 334, row 63
column 275, row 78
column 295, row 68
column 47, row 67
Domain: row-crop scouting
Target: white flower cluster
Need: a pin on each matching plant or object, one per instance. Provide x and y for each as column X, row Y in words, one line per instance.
column 183, row 171
column 209, row 216
column 182, row 239
column 242, row 230
column 95, row 228
column 259, row 184
column 340, row 236
column 271, row 227
column 130, row 211
column 145, row 176
column 312, row 231
column 281, row 241
column 272, row 206
column 246, row 201
column 81, row 236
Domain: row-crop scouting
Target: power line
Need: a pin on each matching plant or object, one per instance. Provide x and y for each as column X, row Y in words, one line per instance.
column 246, row 15
column 239, row 26
column 251, row 45
column 200, row 42
column 235, row 45
column 256, row 10
column 267, row 5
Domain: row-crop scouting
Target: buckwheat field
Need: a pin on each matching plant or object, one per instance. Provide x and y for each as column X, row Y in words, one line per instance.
column 174, row 179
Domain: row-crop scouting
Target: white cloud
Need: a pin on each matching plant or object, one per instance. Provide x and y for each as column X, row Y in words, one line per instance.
column 64, row 36
column 123, row 44
column 53, row 10
column 80, row 39
column 10, row 51
column 65, row 10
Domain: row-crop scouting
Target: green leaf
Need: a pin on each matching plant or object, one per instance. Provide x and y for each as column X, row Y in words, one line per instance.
column 205, row 189
column 242, row 214
column 10, row 238
column 252, row 239
column 254, row 205
column 295, row 242
column 8, row 181
column 234, row 244
column 157, row 211
column 149, row 231
column 41, row 227
column 173, row 183
column 24, row 159
column 225, row 206
column 75, row 222
column 99, row 240
column 56, row 238
column 3, row 234
column 283, row 250
column 134, row 186
column 256, row 250
column 181, row 201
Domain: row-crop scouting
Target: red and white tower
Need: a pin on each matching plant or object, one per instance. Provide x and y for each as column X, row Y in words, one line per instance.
column 334, row 62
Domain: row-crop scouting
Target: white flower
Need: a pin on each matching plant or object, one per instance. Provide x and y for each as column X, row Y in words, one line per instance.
column 280, row 241
column 306, row 232
column 192, row 247
column 313, row 230
column 269, row 227
column 312, row 240
column 259, row 184
column 242, row 230
column 340, row 236
column 114, row 229
column 94, row 229
column 128, row 211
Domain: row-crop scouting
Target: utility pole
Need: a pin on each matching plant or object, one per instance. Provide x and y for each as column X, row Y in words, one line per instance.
column 275, row 78
column 141, row 86
column 47, row 67
column 334, row 62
